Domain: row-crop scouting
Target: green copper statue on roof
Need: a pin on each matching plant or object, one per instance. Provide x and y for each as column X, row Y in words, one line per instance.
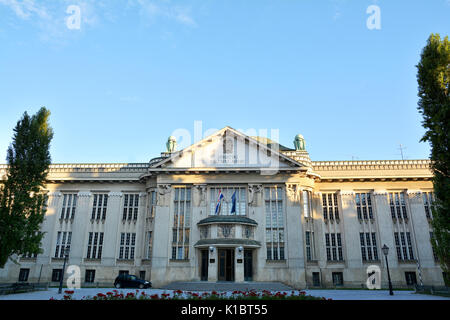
column 299, row 143
column 171, row 144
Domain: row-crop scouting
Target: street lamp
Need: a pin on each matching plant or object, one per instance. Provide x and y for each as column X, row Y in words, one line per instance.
column 66, row 255
column 385, row 250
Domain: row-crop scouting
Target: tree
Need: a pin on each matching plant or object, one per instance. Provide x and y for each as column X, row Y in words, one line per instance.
column 22, row 200
column 434, row 104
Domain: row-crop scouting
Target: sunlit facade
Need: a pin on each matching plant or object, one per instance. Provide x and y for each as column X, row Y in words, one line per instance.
column 234, row 208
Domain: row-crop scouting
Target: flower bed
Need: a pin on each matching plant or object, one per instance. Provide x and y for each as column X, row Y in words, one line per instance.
column 189, row 295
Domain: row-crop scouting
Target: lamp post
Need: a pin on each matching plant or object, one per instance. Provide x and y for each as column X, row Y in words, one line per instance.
column 66, row 255
column 385, row 250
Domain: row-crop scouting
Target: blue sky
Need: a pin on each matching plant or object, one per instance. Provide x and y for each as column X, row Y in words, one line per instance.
column 137, row 70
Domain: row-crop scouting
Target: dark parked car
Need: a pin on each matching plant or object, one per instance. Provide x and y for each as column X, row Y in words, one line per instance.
column 131, row 281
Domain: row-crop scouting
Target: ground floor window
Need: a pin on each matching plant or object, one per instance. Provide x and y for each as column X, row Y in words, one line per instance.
column 410, row 278
column 56, row 275
column 338, row 279
column 316, row 279
column 89, row 276
column 23, row 275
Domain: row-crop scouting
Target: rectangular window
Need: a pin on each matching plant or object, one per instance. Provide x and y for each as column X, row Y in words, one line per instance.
column 411, row 279
column 23, row 275
column 403, row 244
column 368, row 242
column 149, row 242
column 130, row 206
column 309, row 241
column 99, row 207
column 233, row 201
column 95, row 245
column 364, row 206
column 428, row 198
column 333, row 245
column 181, row 223
column 435, row 256
column 273, row 198
column 69, row 206
column 330, row 206
column 56, row 275
column 127, row 244
column 397, row 204
column 306, row 203
column 89, row 276
column 338, row 278
column 152, row 204
column 63, row 240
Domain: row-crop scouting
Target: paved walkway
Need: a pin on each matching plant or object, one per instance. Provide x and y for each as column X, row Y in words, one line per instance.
column 226, row 286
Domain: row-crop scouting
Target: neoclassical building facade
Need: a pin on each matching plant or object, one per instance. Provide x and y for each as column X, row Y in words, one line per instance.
column 237, row 208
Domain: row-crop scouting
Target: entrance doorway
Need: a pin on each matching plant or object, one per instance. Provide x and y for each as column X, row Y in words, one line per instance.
column 204, row 265
column 248, row 264
column 226, row 265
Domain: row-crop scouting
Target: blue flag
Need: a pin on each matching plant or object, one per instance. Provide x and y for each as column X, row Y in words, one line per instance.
column 233, row 203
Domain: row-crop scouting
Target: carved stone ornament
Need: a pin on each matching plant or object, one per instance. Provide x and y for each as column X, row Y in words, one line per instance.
column 163, row 194
column 201, row 195
column 293, row 192
column 254, row 191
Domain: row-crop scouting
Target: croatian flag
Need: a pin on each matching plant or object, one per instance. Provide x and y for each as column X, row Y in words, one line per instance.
column 233, row 203
column 219, row 202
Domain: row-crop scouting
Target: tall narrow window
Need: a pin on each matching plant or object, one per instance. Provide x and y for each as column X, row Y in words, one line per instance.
column 63, row 240
column 330, row 206
column 69, row 206
column 364, row 206
column 427, row 202
column 333, row 245
column 152, row 204
column 149, row 246
column 368, row 242
column 403, row 244
column 435, row 256
column 130, row 207
column 309, row 241
column 306, row 203
column 397, row 204
column 181, row 223
column 95, row 245
column 273, row 197
column 99, row 207
column 127, row 244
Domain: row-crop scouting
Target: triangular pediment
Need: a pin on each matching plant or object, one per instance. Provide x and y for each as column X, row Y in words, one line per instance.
column 228, row 148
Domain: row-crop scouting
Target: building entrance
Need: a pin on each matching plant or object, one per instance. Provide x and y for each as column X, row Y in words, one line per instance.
column 226, row 265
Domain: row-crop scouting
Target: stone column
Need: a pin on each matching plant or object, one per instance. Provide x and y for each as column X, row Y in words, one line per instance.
column 112, row 235
column 386, row 236
column 199, row 212
column 351, row 247
column 256, row 212
column 79, row 228
column 212, row 266
column 162, row 246
column 239, row 264
column 294, row 242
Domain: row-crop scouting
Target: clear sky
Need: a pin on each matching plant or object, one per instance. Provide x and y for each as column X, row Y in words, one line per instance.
column 137, row 70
